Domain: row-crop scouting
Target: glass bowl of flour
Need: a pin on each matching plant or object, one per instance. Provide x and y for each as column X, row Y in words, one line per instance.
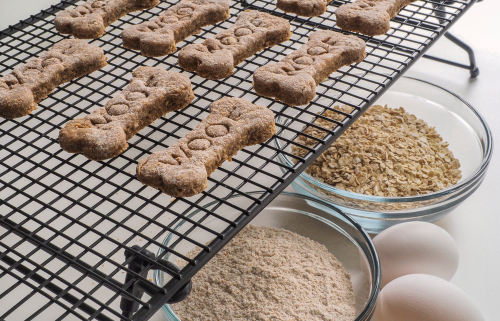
column 297, row 218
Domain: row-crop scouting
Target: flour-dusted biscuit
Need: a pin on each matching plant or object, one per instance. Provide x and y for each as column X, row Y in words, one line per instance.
column 182, row 169
column 293, row 80
column 158, row 36
column 26, row 86
column 216, row 58
column 90, row 19
column 151, row 93
column 306, row 8
column 369, row 17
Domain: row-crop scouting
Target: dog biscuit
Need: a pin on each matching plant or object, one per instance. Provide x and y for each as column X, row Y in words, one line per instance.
column 158, row 36
column 182, row 169
column 216, row 58
column 369, row 17
column 26, row 86
column 306, row 8
column 151, row 93
column 90, row 19
column 293, row 80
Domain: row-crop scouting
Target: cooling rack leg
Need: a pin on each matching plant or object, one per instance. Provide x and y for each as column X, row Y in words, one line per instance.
column 472, row 67
column 474, row 70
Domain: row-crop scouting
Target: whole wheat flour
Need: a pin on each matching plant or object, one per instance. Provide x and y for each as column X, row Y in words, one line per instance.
column 270, row 274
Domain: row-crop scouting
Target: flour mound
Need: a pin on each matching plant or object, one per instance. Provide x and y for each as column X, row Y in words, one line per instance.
column 270, row 274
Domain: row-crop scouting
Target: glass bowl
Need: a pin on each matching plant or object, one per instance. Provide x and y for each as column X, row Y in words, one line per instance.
column 459, row 124
column 315, row 219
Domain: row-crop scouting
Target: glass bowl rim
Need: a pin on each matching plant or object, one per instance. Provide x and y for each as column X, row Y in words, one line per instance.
column 478, row 172
column 376, row 272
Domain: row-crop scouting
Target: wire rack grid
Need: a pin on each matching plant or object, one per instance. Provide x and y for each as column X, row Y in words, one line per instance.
column 66, row 222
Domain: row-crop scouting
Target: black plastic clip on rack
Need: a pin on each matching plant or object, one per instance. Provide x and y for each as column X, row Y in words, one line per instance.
column 139, row 287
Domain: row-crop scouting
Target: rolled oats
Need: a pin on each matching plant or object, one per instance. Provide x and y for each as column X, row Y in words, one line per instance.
column 386, row 152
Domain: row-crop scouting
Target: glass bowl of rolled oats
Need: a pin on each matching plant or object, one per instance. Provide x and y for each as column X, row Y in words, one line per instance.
column 415, row 155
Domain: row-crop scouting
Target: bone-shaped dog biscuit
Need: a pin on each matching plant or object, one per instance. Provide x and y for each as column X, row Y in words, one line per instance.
column 26, row 86
column 90, row 19
column 182, row 169
column 306, row 8
column 151, row 93
column 216, row 58
column 369, row 17
column 293, row 80
column 158, row 36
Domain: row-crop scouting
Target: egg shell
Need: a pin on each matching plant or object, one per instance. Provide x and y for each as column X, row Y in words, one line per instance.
column 414, row 248
column 422, row 297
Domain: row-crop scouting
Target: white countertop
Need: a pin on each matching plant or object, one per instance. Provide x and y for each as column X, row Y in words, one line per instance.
column 475, row 225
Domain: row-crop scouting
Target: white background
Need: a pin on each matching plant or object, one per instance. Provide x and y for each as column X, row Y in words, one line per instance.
column 475, row 225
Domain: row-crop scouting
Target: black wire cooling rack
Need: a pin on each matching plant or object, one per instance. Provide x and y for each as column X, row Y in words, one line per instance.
column 77, row 236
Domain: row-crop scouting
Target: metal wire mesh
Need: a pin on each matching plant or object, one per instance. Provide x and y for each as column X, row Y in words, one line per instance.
column 65, row 221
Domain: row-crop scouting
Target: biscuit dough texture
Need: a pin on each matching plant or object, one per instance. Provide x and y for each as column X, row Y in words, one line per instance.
column 216, row 58
column 26, row 86
column 306, row 8
column 369, row 17
column 182, row 169
column 293, row 80
column 151, row 93
column 90, row 19
column 158, row 36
